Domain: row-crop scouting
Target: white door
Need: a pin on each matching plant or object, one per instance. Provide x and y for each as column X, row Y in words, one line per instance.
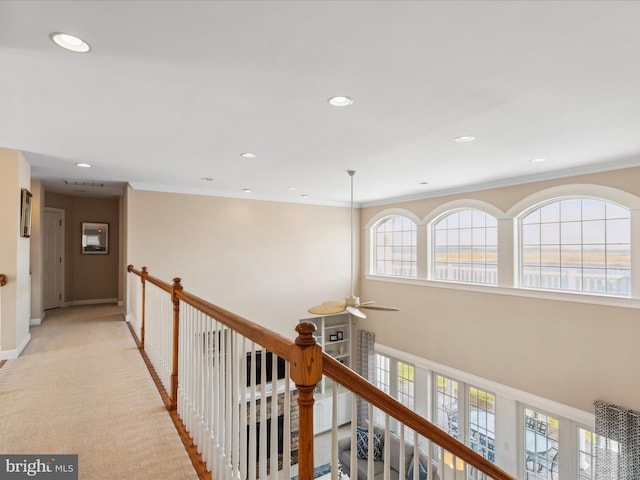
column 53, row 257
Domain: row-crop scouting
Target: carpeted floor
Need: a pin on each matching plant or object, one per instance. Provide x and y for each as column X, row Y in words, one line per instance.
column 81, row 387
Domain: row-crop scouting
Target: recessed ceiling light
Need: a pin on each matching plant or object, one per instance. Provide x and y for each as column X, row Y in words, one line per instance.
column 305, row 196
column 292, row 188
column 538, row 160
column 340, row 101
column 69, row 42
column 464, row 139
column 83, row 165
column 248, row 155
column 207, row 179
column 424, row 183
column 246, row 190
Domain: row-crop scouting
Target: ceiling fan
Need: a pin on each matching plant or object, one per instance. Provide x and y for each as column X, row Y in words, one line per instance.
column 352, row 303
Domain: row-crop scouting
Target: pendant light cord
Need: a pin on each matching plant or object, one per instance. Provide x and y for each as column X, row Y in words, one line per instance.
column 351, row 174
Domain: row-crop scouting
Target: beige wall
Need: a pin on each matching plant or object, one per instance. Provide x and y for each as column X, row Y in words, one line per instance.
column 37, row 204
column 15, row 297
column 89, row 277
column 572, row 353
column 266, row 261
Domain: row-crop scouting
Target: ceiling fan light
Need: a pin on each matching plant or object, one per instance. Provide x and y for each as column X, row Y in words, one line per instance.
column 355, row 312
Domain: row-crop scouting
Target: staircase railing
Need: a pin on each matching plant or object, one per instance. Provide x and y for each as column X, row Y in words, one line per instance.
column 245, row 395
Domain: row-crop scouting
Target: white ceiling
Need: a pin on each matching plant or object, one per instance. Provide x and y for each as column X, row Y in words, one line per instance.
column 174, row 91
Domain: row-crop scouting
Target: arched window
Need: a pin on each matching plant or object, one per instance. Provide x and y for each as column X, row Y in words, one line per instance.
column 395, row 247
column 577, row 244
column 465, row 247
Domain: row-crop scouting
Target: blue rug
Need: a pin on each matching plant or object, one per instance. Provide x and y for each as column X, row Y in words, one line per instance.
column 318, row 471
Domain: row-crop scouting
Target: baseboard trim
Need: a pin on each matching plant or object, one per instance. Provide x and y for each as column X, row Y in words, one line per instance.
column 95, row 301
column 35, row 321
column 13, row 354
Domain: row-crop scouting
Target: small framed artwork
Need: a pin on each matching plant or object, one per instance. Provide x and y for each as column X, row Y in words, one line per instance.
column 95, row 238
column 333, row 337
column 340, row 335
column 25, row 213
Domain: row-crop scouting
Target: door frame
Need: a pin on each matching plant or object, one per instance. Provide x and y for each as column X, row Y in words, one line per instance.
column 62, row 249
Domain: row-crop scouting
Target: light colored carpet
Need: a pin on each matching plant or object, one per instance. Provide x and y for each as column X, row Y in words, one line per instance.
column 81, row 387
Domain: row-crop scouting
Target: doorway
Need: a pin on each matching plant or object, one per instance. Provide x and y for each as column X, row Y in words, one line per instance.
column 53, row 243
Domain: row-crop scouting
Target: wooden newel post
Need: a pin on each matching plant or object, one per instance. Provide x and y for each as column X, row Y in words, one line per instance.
column 143, row 279
column 306, row 372
column 175, row 288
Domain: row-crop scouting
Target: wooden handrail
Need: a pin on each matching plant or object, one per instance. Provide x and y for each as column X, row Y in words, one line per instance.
column 304, row 356
column 372, row 394
column 276, row 343
column 3, row 279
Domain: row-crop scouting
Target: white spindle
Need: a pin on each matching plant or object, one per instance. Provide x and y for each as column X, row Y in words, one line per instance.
column 275, row 427
column 252, row 415
column 387, row 452
column 353, row 468
column 243, row 411
column 263, row 414
column 334, row 432
column 286, row 453
column 231, row 430
column 402, row 453
column 370, row 446
column 416, row 457
column 198, row 353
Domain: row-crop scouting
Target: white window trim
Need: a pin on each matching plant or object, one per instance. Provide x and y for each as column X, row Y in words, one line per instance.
column 575, row 297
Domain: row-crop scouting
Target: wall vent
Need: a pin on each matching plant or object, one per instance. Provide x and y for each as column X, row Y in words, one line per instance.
column 84, row 183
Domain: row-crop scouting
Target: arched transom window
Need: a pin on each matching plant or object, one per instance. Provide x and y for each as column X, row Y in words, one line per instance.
column 395, row 247
column 465, row 247
column 577, row 244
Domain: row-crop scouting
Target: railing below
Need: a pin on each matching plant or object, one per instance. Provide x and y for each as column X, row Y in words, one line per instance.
column 243, row 391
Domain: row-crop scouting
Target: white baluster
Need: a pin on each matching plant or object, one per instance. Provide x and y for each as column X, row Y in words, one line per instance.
column 334, row 432
column 274, row 418
column 263, row 414
column 286, row 454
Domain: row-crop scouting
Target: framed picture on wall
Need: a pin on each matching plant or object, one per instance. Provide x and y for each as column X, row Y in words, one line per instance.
column 95, row 238
column 25, row 213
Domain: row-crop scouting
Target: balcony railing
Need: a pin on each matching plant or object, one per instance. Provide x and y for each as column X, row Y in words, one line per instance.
column 245, row 396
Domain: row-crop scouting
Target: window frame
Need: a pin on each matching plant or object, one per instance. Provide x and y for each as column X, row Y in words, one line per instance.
column 519, row 247
column 373, row 233
column 462, row 418
column 432, row 250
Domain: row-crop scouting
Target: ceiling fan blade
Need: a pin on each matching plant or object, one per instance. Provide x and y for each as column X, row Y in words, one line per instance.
column 375, row 307
column 328, row 308
column 355, row 312
column 367, row 303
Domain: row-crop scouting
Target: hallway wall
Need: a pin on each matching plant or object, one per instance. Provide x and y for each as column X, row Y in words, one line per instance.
column 15, row 302
column 89, row 278
column 266, row 261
